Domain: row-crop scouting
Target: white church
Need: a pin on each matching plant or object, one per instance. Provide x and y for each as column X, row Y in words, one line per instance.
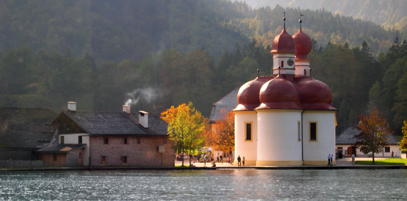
column 286, row 118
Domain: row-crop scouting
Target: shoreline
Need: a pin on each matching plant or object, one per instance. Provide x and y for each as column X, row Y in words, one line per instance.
column 45, row 169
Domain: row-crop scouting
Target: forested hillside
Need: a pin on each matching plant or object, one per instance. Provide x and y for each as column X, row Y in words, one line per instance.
column 389, row 13
column 158, row 53
column 115, row 30
column 264, row 23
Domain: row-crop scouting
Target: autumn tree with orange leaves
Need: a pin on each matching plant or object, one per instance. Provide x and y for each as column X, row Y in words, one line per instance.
column 221, row 136
column 185, row 128
column 374, row 133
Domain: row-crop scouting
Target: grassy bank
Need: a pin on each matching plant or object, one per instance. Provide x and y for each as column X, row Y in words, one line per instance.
column 387, row 161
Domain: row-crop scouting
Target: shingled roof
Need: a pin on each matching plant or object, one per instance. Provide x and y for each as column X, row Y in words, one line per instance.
column 116, row 123
column 223, row 106
column 348, row 137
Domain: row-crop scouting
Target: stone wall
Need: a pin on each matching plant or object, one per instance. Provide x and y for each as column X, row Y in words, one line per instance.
column 50, row 160
column 74, row 158
column 139, row 151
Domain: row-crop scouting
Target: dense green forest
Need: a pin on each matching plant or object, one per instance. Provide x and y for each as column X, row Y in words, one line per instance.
column 391, row 14
column 127, row 29
column 101, row 53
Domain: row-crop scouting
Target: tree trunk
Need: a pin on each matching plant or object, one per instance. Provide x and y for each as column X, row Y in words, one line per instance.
column 373, row 158
column 182, row 159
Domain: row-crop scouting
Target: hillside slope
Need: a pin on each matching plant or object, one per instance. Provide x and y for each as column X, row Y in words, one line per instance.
column 391, row 14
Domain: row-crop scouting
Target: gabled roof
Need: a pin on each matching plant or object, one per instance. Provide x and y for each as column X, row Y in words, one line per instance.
column 223, row 106
column 116, row 123
column 348, row 137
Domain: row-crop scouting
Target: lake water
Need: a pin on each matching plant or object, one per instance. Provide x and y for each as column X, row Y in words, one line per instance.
column 244, row 184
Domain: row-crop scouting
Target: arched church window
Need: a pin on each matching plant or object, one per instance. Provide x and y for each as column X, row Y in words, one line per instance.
column 313, row 131
column 248, row 136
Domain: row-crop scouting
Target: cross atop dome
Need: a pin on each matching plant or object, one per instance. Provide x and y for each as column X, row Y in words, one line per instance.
column 300, row 21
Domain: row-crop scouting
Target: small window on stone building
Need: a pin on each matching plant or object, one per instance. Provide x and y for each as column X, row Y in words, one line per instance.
column 125, row 140
column 54, row 157
column 103, row 159
column 106, row 140
column 248, row 131
column 313, row 131
column 124, row 159
column 305, row 72
column 282, row 64
column 138, row 140
column 62, row 140
column 79, row 139
column 387, row 149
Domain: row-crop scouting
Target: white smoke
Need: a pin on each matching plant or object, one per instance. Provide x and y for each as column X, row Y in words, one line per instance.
column 146, row 94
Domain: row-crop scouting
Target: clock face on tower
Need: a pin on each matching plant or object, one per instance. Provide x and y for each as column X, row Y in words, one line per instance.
column 290, row 62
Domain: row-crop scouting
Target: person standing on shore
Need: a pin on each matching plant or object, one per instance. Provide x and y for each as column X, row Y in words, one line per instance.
column 243, row 161
column 239, row 161
column 353, row 159
column 329, row 159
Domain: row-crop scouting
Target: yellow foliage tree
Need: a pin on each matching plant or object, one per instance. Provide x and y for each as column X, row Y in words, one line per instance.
column 185, row 125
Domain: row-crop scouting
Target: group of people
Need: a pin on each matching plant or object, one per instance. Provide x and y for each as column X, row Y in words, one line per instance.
column 240, row 161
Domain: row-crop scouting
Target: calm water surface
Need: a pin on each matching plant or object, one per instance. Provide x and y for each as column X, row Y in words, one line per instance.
column 206, row 185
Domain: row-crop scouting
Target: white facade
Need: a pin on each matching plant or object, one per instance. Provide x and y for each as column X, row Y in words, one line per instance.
column 388, row 151
column 302, row 68
column 74, row 139
column 279, row 137
column 282, row 137
column 245, row 147
column 316, row 150
column 283, row 64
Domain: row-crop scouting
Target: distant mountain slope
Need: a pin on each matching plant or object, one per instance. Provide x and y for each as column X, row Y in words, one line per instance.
column 265, row 23
column 127, row 29
column 390, row 13
column 115, row 30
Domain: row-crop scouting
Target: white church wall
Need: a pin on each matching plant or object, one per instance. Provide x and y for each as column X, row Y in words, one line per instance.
column 246, row 148
column 278, row 137
column 316, row 151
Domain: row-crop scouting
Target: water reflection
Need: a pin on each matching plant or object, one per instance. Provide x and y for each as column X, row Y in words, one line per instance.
column 245, row 184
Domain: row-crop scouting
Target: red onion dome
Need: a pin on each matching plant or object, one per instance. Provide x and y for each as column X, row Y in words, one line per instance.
column 303, row 45
column 314, row 94
column 248, row 95
column 283, row 43
column 279, row 93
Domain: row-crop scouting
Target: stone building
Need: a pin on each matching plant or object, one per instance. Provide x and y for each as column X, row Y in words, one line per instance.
column 108, row 139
